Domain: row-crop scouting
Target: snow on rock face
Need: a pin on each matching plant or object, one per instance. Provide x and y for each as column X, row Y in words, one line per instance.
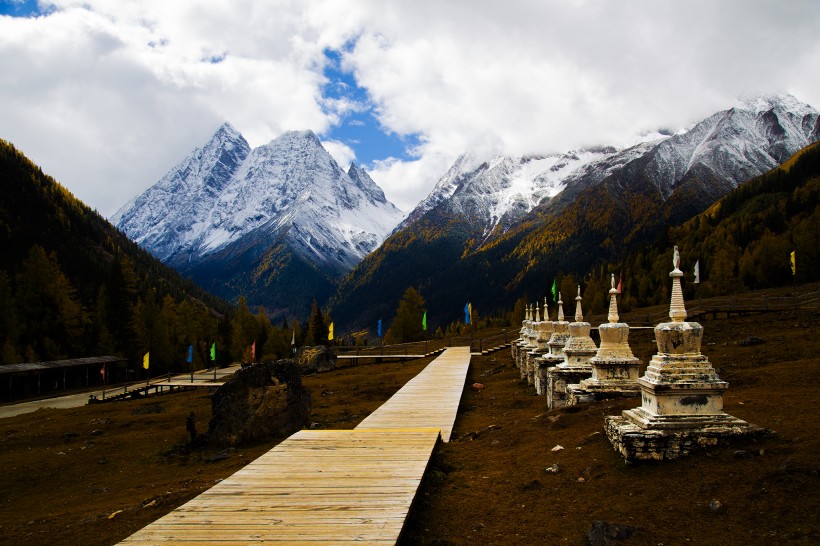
column 224, row 192
column 732, row 146
column 736, row 144
column 503, row 189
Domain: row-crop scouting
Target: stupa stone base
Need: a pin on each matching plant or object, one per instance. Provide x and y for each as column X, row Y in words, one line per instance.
column 542, row 364
column 521, row 360
column 558, row 378
column 514, row 348
column 611, row 378
column 640, row 444
column 532, row 364
column 590, row 391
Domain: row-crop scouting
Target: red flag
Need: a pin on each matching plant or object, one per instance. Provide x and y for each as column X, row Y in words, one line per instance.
column 620, row 283
column 102, row 371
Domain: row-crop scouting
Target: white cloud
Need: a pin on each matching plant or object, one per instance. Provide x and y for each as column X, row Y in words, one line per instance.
column 107, row 96
column 341, row 152
column 405, row 183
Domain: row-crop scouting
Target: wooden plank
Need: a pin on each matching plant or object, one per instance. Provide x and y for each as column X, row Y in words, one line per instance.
column 429, row 399
column 329, row 486
column 296, row 493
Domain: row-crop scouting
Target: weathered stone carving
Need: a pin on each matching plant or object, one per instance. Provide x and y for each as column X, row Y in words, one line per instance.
column 557, row 340
column 614, row 367
column 543, row 331
column 681, row 394
column 578, row 349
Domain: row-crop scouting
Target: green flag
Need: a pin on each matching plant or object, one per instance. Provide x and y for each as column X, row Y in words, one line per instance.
column 424, row 321
column 555, row 289
column 213, row 351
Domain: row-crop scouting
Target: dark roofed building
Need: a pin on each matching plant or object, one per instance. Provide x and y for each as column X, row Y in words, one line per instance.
column 28, row 379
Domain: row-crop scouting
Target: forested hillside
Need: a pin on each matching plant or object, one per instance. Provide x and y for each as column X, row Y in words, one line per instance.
column 73, row 285
column 742, row 242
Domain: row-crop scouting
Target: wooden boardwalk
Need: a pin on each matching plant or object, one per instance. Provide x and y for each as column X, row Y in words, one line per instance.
column 428, row 400
column 329, row 486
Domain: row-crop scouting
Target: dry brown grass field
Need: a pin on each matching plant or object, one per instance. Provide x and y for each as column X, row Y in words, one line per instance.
column 96, row 474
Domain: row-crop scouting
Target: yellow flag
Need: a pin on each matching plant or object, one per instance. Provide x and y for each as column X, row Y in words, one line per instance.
column 794, row 268
column 330, row 332
column 145, row 360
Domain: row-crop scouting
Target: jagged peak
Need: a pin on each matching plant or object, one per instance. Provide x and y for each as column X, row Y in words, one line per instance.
column 295, row 136
column 227, row 133
column 228, row 129
column 763, row 103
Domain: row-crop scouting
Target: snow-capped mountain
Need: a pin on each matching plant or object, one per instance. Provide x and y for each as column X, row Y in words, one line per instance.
column 727, row 148
column 225, row 191
column 228, row 203
column 494, row 229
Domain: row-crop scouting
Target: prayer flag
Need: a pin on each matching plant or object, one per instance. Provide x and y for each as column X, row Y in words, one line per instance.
column 102, row 372
column 330, row 332
column 379, row 328
column 145, row 360
column 253, row 351
column 794, row 267
column 468, row 310
column 190, row 357
column 697, row 272
column 293, row 339
column 555, row 289
column 620, row 283
column 424, row 321
column 213, row 351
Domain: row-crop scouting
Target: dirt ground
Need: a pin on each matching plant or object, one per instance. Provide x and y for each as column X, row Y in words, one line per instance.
column 96, row 474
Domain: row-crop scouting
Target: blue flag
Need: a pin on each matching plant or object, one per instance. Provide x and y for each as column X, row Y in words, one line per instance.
column 467, row 313
column 379, row 328
column 190, row 354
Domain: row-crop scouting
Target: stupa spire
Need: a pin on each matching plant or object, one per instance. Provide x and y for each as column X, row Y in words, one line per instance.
column 613, row 303
column 579, row 313
column 560, row 308
column 677, row 310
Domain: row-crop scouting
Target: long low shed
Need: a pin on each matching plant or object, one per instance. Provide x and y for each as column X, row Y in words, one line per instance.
column 56, row 376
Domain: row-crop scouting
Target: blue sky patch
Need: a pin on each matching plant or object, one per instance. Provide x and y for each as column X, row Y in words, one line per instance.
column 360, row 129
column 22, row 8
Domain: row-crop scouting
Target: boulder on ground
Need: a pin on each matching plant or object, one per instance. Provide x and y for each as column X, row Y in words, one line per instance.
column 261, row 401
column 315, row 359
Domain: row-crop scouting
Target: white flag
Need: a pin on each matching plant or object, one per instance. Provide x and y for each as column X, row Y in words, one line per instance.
column 697, row 272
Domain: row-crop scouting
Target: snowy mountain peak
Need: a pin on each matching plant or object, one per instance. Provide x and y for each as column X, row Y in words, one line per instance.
column 763, row 103
column 225, row 194
column 730, row 146
column 363, row 181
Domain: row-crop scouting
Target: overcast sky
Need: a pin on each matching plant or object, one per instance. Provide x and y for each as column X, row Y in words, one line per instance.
column 107, row 96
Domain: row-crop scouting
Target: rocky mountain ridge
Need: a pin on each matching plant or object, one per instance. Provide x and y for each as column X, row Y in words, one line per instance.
column 488, row 242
